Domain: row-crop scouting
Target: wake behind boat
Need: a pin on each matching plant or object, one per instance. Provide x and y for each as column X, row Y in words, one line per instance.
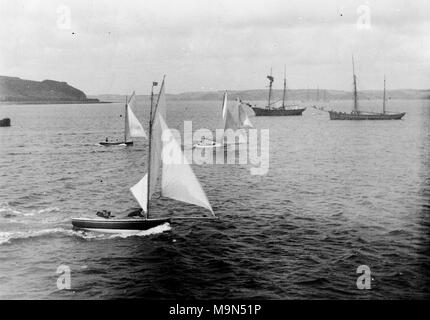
column 177, row 179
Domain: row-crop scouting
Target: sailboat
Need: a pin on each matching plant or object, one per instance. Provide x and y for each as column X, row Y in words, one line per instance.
column 132, row 126
column 165, row 159
column 229, row 121
column 283, row 110
column 364, row 115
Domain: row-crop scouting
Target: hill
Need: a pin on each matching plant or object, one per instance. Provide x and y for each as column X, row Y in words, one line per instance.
column 16, row 90
column 292, row 95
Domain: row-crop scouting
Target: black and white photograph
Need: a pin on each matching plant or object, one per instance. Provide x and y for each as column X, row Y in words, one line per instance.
column 201, row 150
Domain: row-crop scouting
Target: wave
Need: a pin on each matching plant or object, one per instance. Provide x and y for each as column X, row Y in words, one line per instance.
column 8, row 237
column 7, row 211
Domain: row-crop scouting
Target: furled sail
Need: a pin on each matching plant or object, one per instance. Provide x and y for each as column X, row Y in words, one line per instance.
column 135, row 129
column 178, row 180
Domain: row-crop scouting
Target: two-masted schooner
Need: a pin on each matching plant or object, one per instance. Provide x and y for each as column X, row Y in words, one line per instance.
column 165, row 160
column 364, row 115
column 271, row 109
column 132, row 126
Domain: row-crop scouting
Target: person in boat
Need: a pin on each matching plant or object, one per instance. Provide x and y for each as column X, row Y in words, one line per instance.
column 104, row 214
column 136, row 212
column 106, row 139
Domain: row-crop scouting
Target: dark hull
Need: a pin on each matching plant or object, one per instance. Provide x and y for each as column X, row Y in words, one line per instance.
column 117, row 224
column 5, row 122
column 107, row 144
column 262, row 112
column 365, row 116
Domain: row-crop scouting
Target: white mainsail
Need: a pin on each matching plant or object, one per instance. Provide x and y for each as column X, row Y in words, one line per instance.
column 178, row 180
column 232, row 126
column 230, row 122
column 135, row 128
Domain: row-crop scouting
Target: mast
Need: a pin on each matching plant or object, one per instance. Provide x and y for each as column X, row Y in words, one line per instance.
column 125, row 120
column 285, row 88
column 355, row 86
column 149, row 151
column 270, row 86
column 383, row 102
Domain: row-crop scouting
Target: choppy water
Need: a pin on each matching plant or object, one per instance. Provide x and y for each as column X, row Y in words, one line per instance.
column 338, row 194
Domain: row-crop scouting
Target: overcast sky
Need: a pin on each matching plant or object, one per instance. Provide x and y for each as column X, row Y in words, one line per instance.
column 121, row 46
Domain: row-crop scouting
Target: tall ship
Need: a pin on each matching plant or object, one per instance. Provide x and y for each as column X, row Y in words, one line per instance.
column 271, row 109
column 364, row 115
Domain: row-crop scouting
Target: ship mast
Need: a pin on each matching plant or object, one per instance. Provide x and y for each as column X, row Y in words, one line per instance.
column 355, row 87
column 149, row 151
column 285, row 88
column 383, row 102
column 125, row 120
column 270, row 86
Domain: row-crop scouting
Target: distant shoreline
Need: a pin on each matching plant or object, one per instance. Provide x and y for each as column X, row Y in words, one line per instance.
column 53, row 102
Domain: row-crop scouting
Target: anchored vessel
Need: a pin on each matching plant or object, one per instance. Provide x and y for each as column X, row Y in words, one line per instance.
column 132, row 126
column 364, row 115
column 177, row 179
column 283, row 110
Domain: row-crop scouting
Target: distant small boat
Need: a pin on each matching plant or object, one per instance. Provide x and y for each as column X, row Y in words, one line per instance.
column 229, row 121
column 132, row 126
column 177, row 179
column 364, row 115
column 5, row 122
column 283, row 110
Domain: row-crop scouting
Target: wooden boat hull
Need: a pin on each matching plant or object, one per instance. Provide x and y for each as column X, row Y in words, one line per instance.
column 5, row 122
column 262, row 112
column 107, row 144
column 117, row 225
column 334, row 115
